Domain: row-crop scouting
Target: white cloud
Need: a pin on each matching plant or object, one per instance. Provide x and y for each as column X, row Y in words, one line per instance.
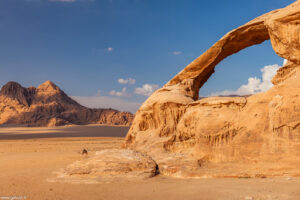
column 176, row 53
column 107, row 102
column 254, row 85
column 146, row 90
column 122, row 93
column 130, row 81
column 284, row 62
column 101, row 51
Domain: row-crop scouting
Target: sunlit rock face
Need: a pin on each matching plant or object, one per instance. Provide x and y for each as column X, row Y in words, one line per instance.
column 253, row 136
column 48, row 105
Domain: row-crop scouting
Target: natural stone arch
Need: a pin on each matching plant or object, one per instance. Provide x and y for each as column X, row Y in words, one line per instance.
column 281, row 26
column 172, row 119
column 202, row 68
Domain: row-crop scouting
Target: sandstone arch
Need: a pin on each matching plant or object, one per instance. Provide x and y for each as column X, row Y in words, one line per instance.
column 281, row 26
column 202, row 68
column 176, row 128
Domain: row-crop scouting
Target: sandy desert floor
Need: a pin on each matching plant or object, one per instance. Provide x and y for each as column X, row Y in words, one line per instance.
column 29, row 156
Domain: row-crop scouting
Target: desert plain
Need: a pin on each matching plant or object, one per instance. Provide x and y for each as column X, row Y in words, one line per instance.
column 178, row 146
column 30, row 156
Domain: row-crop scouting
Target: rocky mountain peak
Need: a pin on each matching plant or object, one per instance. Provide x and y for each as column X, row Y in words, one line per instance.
column 11, row 88
column 48, row 86
column 48, row 105
column 15, row 91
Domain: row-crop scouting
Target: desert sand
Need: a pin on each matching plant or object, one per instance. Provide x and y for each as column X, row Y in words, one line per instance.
column 28, row 163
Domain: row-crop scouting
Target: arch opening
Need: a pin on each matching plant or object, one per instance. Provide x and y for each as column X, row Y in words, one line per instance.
column 245, row 73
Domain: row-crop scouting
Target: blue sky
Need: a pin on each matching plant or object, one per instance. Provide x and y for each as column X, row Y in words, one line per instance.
column 86, row 46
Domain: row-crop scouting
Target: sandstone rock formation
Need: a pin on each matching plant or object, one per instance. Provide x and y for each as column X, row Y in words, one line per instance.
column 253, row 136
column 48, row 105
column 108, row 165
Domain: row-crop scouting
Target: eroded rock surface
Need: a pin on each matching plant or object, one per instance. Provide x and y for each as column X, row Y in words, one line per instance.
column 109, row 165
column 253, row 136
column 48, row 105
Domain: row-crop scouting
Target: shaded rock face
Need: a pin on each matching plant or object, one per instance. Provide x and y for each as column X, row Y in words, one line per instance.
column 48, row 105
column 15, row 91
column 108, row 165
column 228, row 136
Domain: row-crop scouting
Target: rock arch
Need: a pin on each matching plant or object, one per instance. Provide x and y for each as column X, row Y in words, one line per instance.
column 202, row 68
column 173, row 119
column 281, row 26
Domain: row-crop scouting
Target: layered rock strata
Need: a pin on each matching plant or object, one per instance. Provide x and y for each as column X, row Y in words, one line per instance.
column 253, row 136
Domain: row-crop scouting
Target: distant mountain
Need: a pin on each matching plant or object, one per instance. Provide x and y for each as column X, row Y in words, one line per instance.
column 48, row 105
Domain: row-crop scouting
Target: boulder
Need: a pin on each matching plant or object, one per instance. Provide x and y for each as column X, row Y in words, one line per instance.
column 109, row 165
